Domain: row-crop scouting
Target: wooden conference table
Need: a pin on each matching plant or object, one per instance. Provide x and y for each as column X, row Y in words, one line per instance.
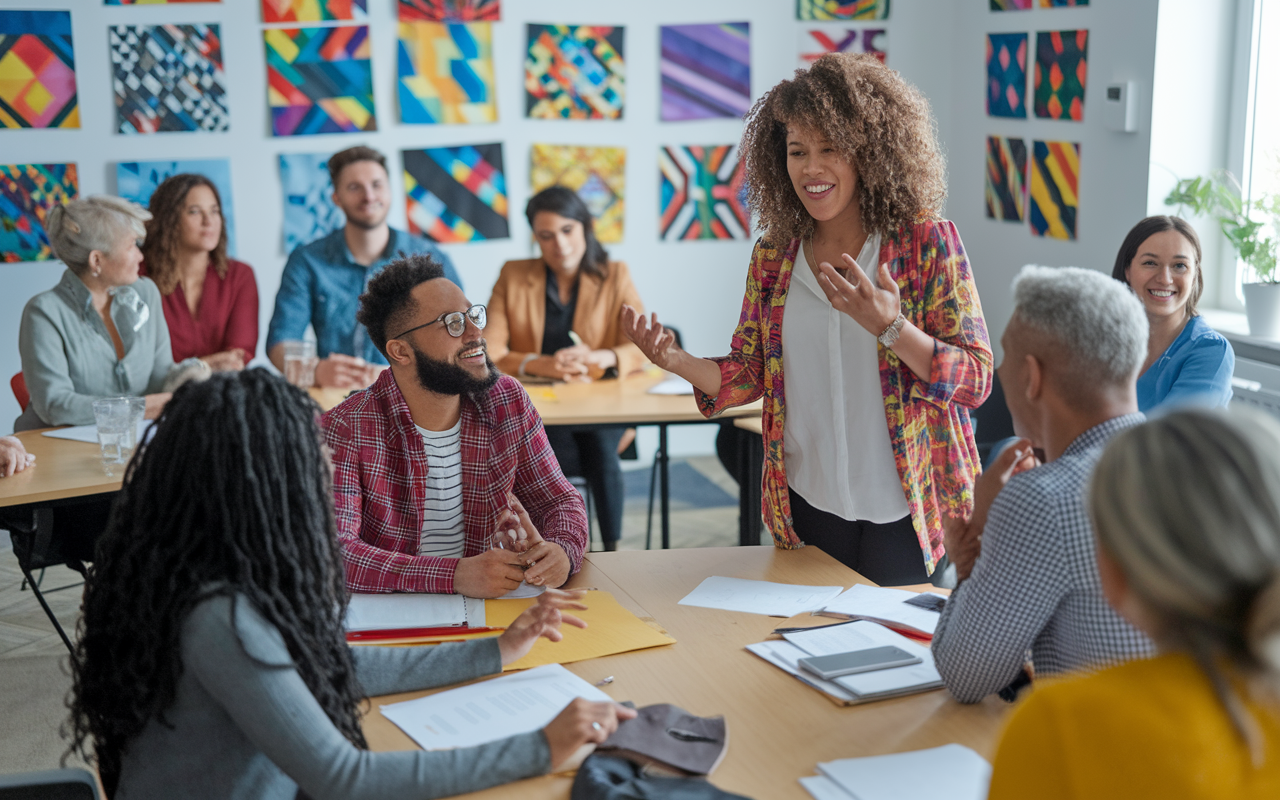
column 779, row 729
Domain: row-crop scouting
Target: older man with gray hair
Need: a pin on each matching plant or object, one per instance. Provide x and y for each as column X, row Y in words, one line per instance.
column 1028, row 577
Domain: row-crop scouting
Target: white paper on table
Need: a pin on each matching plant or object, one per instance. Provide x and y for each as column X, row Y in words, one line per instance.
column 485, row 712
column 89, row 433
column 783, row 655
column 820, row 787
column 375, row 612
column 672, row 386
column 888, row 605
column 950, row 772
column 522, row 591
column 864, row 635
column 760, row 597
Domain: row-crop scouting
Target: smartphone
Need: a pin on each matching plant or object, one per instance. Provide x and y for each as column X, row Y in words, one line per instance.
column 928, row 601
column 833, row 666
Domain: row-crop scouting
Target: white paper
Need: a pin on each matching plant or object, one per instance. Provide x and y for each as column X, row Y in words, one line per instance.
column 491, row 710
column 672, row 386
column 783, row 655
column 950, row 772
column 760, row 597
column 522, row 591
column 861, row 636
column 375, row 612
column 820, row 787
column 888, row 605
column 89, row 433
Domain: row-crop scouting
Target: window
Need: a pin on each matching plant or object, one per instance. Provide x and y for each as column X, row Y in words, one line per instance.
column 1261, row 168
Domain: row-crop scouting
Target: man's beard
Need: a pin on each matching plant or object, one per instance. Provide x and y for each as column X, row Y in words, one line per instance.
column 447, row 378
column 368, row 224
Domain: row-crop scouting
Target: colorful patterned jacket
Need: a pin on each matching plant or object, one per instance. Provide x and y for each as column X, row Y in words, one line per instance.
column 929, row 425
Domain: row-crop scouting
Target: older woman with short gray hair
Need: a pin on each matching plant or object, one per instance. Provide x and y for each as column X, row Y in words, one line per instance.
column 100, row 332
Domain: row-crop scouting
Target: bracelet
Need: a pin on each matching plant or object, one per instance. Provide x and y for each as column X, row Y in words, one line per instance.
column 889, row 336
column 525, row 362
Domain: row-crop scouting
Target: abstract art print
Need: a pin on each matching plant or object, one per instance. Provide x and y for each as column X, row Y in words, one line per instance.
column 456, row 194
column 841, row 10
column 314, row 10
column 137, row 180
column 1010, row 5
column 1006, row 178
column 152, row 2
column 817, row 42
column 574, row 72
column 1055, row 179
column 168, row 78
column 1007, row 75
column 706, row 71
column 446, row 72
column 319, row 80
column 597, row 174
column 1063, row 3
column 309, row 210
column 450, row 10
column 37, row 70
column 1061, row 69
column 700, row 193
column 28, row 192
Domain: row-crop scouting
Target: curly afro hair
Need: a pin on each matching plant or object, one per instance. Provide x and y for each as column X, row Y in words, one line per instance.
column 881, row 124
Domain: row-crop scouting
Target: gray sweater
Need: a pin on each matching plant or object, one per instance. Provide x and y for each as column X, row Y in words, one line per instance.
column 244, row 724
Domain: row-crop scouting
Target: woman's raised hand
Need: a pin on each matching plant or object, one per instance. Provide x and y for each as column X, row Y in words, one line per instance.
column 656, row 342
column 871, row 306
column 542, row 619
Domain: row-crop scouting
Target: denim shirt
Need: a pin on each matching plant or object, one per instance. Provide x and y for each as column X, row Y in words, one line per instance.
column 69, row 360
column 1196, row 369
column 322, row 284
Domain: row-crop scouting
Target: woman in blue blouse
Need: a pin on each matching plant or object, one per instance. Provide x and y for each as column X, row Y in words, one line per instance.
column 1187, row 361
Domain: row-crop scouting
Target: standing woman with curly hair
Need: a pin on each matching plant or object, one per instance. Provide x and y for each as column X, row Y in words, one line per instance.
column 210, row 301
column 868, row 443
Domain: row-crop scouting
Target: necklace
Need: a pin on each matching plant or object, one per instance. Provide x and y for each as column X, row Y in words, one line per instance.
column 807, row 243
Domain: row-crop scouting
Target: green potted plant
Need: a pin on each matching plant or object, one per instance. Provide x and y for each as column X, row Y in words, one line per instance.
column 1253, row 230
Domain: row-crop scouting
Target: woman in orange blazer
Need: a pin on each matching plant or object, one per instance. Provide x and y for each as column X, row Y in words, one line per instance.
column 558, row 317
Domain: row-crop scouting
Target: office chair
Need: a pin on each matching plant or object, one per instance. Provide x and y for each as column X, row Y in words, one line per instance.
column 19, row 386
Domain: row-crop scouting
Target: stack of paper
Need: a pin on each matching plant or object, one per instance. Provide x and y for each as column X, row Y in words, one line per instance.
column 380, row 612
column 674, row 385
column 950, row 772
column 886, row 606
column 760, row 597
column 861, row 687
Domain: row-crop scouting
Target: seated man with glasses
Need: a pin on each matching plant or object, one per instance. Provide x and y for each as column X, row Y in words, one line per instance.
column 443, row 479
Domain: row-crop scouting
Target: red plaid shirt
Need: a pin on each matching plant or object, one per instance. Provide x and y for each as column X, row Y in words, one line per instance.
column 379, row 483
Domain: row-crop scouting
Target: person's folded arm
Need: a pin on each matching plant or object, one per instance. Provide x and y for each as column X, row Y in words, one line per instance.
column 1205, row 375
column 162, row 356
column 47, row 372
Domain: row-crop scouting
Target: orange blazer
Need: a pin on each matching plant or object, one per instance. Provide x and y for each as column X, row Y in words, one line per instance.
column 518, row 314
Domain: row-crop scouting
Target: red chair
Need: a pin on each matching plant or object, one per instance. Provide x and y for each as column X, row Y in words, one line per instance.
column 19, row 386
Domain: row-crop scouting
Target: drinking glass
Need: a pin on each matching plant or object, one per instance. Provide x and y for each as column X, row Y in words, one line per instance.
column 118, row 420
column 300, row 363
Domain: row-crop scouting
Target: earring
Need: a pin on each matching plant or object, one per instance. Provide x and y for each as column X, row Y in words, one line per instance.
column 97, row 272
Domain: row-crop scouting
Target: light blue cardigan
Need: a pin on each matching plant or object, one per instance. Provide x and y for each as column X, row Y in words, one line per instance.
column 1196, row 369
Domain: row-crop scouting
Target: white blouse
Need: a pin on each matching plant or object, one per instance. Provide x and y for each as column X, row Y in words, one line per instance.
column 836, row 440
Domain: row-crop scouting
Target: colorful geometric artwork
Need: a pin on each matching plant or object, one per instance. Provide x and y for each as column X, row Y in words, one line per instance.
column 168, row 78
column 28, row 192
column 138, row 180
column 37, row 70
column 1007, row 75
column 456, row 194
column 1055, row 179
column 842, row 10
column 706, row 71
column 817, row 42
column 1010, row 5
column 319, row 80
column 152, row 2
column 314, row 10
column 309, row 210
column 574, row 72
column 1061, row 69
column 1006, row 178
column 597, row 174
column 1062, row 3
column 450, row 10
column 446, row 72
column 700, row 194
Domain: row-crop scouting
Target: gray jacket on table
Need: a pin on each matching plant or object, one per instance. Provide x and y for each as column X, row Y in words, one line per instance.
column 68, row 359
column 244, row 725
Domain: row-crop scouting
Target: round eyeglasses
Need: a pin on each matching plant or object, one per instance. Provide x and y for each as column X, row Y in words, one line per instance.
column 455, row 322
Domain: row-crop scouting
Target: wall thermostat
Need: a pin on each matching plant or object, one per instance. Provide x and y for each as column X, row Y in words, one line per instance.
column 1120, row 107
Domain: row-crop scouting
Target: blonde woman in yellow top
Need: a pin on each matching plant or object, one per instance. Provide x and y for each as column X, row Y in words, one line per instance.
column 1187, row 512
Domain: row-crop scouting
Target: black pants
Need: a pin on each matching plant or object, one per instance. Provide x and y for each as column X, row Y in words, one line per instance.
column 593, row 454
column 887, row 553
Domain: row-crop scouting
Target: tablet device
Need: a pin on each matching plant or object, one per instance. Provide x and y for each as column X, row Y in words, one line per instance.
column 854, row 661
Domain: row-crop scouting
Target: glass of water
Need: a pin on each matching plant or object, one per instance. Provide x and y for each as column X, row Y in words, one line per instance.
column 118, row 420
column 300, row 363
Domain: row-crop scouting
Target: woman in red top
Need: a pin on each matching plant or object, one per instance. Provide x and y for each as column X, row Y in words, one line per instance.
column 210, row 301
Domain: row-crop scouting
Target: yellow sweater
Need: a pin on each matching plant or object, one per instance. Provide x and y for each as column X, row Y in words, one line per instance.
column 1151, row 728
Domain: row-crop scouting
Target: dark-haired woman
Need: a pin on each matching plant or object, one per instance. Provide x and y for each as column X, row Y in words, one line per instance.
column 539, row 306
column 1187, row 361
column 210, row 301
column 868, row 378
column 212, row 660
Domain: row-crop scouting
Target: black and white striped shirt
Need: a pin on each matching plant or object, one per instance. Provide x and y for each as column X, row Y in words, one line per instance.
column 1035, row 585
column 442, row 530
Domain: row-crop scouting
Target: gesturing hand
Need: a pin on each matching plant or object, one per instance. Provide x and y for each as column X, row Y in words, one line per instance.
column 581, row 723
column 871, row 306
column 963, row 535
column 542, row 619
column 548, row 563
column 656, row 342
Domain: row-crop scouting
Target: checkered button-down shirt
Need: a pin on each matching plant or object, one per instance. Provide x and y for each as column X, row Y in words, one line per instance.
column 379, row 483
column 1035, row 585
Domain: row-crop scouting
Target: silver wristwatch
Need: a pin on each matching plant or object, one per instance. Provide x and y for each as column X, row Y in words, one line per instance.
column 889, row 336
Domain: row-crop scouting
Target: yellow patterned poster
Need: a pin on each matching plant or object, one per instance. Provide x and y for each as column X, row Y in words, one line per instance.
column 597, row 174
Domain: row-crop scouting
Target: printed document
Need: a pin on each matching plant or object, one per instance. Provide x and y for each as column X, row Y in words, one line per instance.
column 760, row 597
column 884, row 605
